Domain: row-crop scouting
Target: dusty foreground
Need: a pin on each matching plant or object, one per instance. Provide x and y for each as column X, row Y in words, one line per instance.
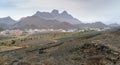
column 8, row 48
column 87, row 49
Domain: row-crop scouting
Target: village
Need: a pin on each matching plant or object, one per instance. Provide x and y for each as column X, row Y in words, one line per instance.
column 18, row 32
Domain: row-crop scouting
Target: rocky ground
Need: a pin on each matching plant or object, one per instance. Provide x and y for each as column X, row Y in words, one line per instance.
column 92, row 49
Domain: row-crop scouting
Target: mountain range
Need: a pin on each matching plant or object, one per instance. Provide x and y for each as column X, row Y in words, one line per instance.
column 48, row 20
column 55, row 15
column 96, row 24
column 35, row 22
column 114, row 25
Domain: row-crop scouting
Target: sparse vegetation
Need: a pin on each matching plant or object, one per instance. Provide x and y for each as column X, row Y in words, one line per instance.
column 63, row 49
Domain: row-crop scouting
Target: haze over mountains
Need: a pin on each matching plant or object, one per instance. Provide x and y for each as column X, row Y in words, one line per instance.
column 55, row 15
column 48, row 20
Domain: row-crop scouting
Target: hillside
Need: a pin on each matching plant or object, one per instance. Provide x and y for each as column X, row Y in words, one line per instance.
column 34, row 22
column 90, row 48
column 6, row 22
column 92, row 25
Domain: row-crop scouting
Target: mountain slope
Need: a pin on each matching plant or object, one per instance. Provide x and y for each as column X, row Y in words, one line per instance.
column 114, row 25
column 92, row 25
column 35, row 22
column 7, row 20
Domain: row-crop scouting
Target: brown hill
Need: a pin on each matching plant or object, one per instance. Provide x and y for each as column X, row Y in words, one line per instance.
column 35, row 22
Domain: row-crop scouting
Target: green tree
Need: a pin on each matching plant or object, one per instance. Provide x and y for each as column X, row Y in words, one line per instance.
column 13, row 42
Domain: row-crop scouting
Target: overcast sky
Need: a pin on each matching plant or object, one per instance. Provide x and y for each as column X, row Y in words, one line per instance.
column 107, row 11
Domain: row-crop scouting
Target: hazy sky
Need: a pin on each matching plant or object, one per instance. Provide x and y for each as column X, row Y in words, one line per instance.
column 107, row 11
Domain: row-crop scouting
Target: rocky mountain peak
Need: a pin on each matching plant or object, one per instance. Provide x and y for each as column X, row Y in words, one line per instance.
column 64, row 13
column 55, row 15
column 38, row 12
column 55, row 11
